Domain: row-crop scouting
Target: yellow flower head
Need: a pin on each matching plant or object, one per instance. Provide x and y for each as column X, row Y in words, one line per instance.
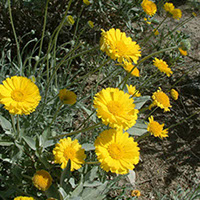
column 147, row 20
column 86, row 2
column 116, row 151
column 67, row 96
column 156, row 129
column 161, row 100
column 183, row 52
column 168, row 7
column 162, row 66
column 118, row 46
column 174, row 94
column 42, row 180
column 115, row 108
column 19, row 95
column 149, row 7
column 135, row 193
column 156, row 32
column 128, row 66
column 23, row 198
column 67, row 149
column 91, row 24
column 176, row 14
column 132, row 91
column 70, row 20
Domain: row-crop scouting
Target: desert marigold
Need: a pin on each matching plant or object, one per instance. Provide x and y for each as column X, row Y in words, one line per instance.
column 70, row 20
column 174, row 94
column 116, row 151
column 86, row 2
column 161, row 100
column 42, row 180
column 156, row 129
column 149, row 7
column 115, row 108
column 168, row 7
column 67, row 96
column 91, row 24
column 183, row 52
column 67, row 149
column 128, row 66
column 135, row 193
column 118, row 46
column 19, row 95
column 156, row 32
column 147, row 20
column 176, row 14
column 162, row 66
column 132, row 91
column 23, row 198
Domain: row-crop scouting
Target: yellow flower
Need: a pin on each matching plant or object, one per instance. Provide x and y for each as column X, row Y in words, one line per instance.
column 194, row 14
column 148, row 22
column 116, row 151
column 67, row 149
column 132, row 91
column 91, row 24
column 128, row 67
column 118, row 46
column 183, row 53
column 23, row 198
column 19, row 95
column 135, row 193
column 174, row 94
column 162, row 66
column 70, row 20
column 161, row 100
column 168, row 7
column 67, row 96
column 156, row 129
column 176, row 14
column 149, row 7
column 86, row 2
column 42, row 180
column 156, row 32
column 115, row 108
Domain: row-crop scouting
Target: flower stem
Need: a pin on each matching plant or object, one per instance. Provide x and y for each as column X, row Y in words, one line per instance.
column 55, row 115
column 18, row 127
column 142, row 137
column 13, row 123
column 92, row 163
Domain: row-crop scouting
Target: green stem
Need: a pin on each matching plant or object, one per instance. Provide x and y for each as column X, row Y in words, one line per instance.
column 151, row 113
column 92, row 163
column 13, row 123
column 18, row 127
column 55, row 115
column 142, row 137
column 16, row 40
column 75, row 132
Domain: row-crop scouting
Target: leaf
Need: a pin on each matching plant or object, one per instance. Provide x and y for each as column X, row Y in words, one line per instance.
column 138, row 129
column 140, row 101
column 131, row 177
column 78, row 189
column 30, row 141
column 92, row 174
column 63, row 194
column 6, row 125
column 4, row 143
column 88, row 146
column 92, row 183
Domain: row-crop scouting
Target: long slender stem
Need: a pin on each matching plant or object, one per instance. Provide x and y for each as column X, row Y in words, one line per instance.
column 92, row 163
column 142, row 137
column 16, row 40
column 55, row 115
column 18, row 127
column 13, row 123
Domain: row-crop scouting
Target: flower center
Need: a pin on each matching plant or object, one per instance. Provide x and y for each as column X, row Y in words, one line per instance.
column 115, row 151
column 155, row 128
column 17, row 95
column 121, row 47
column 115, row 108
column 163, row 99
column 69, row 153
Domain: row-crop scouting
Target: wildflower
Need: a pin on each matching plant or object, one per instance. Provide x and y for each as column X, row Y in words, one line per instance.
column 156, row 129
column 42, row 180
column 149, row 7
column 115, row 108
column 174, row 94
column 135, row 193
column 147, row 20
column 128, row 67
column 194, row 14
column 132, row 91
column 86, row 2
column 19, row 95
column 70, row 20
column 91, row 24
column 67, row 96
column 176, row 14
column 118, row 46
column 162, row 66
column 161, row 100
column 156, row 32
column 67, row 149
column 168, row 7
column 23, row 198
column 183, row 52
column 116, row 151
